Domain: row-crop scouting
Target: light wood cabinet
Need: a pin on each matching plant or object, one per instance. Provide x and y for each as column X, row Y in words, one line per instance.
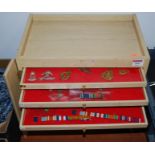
column 111, row 47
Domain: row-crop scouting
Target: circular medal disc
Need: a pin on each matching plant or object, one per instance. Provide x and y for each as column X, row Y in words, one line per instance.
column 107, row 75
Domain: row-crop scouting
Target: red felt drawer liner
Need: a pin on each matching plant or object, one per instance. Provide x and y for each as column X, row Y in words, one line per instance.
column 44, row 95
column 29, row 114
column 77, row 76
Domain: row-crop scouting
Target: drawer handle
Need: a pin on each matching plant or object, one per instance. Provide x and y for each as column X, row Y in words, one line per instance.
column 84, row 132
column 22, row 87
column 83, row 86
column 84, row 106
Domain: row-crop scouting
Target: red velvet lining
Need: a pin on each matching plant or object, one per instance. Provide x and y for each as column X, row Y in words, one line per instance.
column 78, row 76
column 43, row 95
column 29, row 115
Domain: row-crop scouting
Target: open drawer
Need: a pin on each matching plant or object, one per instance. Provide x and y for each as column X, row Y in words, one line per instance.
column 68, row 78
column 106, row 97
column 79, row 119
column 82, row 40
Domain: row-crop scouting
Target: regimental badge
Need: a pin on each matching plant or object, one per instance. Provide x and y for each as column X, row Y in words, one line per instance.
column 32, row 76
column 123, row 72
column 107, row 75
column 48, row 75
column 65, row 75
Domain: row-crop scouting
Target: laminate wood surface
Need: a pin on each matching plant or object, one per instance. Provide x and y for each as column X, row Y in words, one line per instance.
column 4, row 62
column 12, row 82
column 83, row 37
column 89, row 136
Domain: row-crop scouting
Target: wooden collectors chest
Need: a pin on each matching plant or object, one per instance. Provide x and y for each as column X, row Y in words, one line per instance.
column 85, row 55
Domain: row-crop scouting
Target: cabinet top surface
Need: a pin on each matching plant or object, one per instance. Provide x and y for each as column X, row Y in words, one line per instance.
column 81, row 37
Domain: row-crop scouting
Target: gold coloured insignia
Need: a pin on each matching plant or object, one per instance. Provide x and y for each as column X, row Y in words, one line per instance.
column 107, row 75
column 65, row 75
column 123, row 72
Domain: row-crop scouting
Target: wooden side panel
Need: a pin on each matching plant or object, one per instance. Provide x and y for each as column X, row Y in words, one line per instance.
column 24, row 37
column 23, row 41
column 142, row 43
column 12, row 81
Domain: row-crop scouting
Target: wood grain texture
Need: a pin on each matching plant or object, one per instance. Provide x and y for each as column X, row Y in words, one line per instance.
column 89, row 136
column 4, row 62
column 142, row 43
column 81, row 40
column 12, row 81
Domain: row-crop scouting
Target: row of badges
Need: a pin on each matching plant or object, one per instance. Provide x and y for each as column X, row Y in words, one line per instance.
column 84, row 115
column 48, row 75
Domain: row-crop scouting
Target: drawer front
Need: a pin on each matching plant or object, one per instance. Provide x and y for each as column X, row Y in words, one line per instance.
column 83, row 97
column 71, row 78
column 79, row 119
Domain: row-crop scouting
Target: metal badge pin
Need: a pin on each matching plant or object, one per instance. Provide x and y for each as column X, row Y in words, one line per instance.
column 65, row 75
column 48, row 75
column 123, row 72
column 107, row 75
column 32, row 77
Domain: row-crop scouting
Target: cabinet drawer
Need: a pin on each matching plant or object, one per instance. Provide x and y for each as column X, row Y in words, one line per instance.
column 83, row 97
column 71, row 119
column 68, row 78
